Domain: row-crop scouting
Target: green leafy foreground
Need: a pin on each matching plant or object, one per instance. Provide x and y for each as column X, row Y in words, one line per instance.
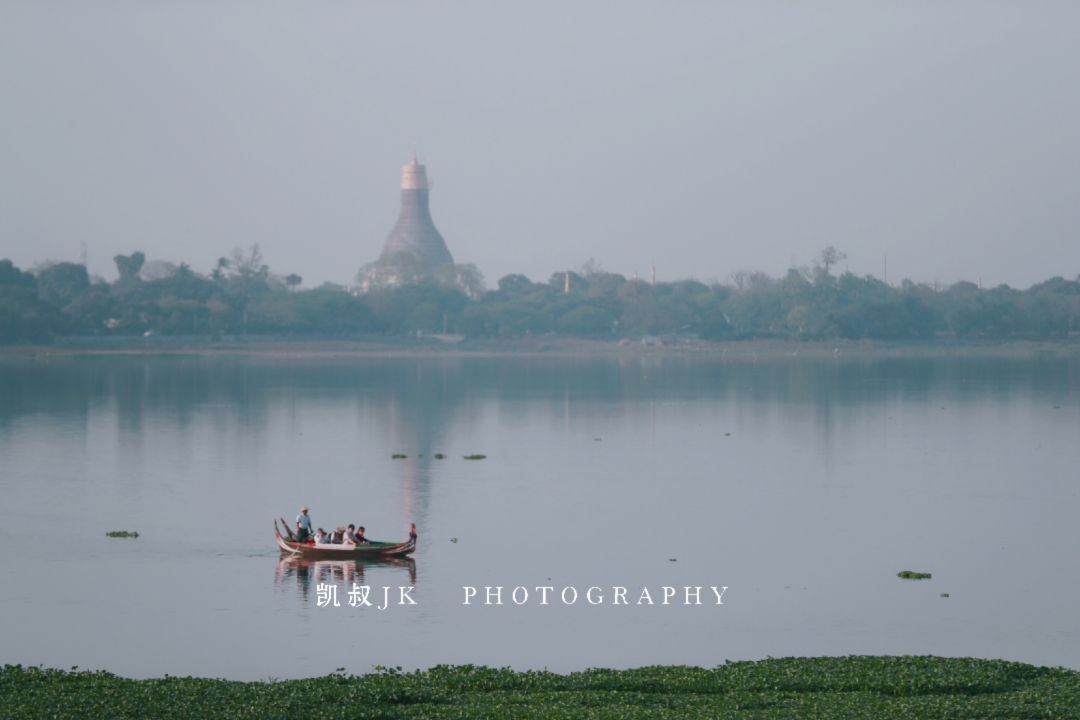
column 846, row 687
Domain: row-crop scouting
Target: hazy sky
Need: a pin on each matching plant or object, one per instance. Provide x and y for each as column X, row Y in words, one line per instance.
column 705, row 137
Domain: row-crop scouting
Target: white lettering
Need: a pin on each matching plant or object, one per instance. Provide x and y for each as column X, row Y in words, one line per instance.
column 358, row 595
column 405, row 595
column 588, row 596
column 325, row 593
column 668, row 594
column 620, row 592
column 719, row 594
column 645, row 596
column 498, row 595
column 564, row 595
column 469, row 592
column 543, row 595
column 514, row 596
column 697, row 596
column 386, row 598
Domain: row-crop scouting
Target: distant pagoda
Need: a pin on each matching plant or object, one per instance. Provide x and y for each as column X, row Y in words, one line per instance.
column 414, row 249
column 415, row 233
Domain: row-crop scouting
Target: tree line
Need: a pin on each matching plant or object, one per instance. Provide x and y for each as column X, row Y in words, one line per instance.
column 241, row 296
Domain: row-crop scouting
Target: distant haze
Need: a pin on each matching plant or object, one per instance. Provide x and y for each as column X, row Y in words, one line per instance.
column 704, row 137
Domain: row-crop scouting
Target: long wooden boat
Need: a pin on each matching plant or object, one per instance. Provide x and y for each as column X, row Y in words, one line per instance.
column 345, row 552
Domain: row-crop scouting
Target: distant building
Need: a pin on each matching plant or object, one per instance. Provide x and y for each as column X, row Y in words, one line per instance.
column 414, row 247
column 415, row 232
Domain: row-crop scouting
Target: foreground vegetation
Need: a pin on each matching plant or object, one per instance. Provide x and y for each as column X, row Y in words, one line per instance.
column 240, row 296
column 848, row 687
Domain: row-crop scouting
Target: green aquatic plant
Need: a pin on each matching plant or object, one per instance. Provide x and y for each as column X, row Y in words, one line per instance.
column 398, row 456
column 909, row 575
column 944, row 594
column 826, row 688
column 439, row 456
column 122, row 533
column 474, row 457
column 453, row 540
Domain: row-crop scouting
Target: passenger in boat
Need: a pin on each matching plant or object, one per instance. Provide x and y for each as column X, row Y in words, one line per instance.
column 321, row 538
column 350, row 535
column 303, row 525
column 338, row 536
column 359, row 536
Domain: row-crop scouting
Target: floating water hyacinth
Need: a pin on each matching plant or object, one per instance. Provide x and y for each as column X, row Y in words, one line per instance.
column 122, row 533
column 909, row 575
column 831, row 688
column 398, row 456
column 439, row 456
column 474, row 457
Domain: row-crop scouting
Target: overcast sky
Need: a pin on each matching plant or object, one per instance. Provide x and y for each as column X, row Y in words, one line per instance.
column 706, row 137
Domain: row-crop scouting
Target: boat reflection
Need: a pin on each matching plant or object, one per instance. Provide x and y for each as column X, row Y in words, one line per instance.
column 309, row 573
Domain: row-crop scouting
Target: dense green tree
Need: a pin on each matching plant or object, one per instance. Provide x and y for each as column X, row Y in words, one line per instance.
column 586, row 320
column 24, row 316
column 514, row 286
column 60, row 284
column 13, row 276
column 129, row 266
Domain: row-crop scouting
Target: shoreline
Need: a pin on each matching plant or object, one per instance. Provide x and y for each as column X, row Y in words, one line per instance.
column 276, row 347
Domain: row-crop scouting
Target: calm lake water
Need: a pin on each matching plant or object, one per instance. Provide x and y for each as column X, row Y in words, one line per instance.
column 804, row 487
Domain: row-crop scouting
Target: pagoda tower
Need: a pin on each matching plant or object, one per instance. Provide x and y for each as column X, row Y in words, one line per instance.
column 415, row 232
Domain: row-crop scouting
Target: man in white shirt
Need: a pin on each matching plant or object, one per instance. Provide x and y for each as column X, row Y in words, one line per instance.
column 303, row 525
column 321, row 538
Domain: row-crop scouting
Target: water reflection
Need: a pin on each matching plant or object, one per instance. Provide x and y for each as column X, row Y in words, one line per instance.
column 306, row 574
column 805, row 485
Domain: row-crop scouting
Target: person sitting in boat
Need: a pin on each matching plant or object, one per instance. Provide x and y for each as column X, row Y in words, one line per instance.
column 338, row 536
column 303, row 525
column 359, row 536
column 321, row 538
column 350, row 535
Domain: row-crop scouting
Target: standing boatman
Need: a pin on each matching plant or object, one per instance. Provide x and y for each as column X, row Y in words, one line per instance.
column 303, row 525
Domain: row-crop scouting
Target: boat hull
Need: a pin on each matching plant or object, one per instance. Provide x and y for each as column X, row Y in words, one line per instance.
column 346, row 552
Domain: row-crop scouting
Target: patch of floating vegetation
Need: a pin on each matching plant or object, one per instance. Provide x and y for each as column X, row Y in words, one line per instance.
column 398, row 456
column 909, row 575
column 439, row 456
column 944, row 594
column 474, row 457
column 827, row 688
column 122, row 533
column 453, row 540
